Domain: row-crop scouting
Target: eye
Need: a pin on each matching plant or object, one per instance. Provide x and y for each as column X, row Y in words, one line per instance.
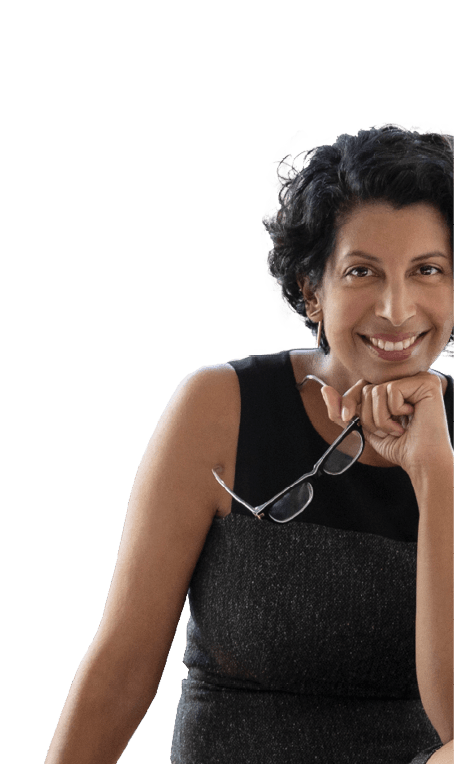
column 438, row 270
column 357, row 268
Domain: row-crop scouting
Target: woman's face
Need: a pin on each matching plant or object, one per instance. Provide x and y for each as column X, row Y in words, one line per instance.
column 391, row 273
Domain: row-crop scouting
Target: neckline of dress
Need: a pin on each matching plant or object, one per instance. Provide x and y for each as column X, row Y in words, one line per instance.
column 306, row 419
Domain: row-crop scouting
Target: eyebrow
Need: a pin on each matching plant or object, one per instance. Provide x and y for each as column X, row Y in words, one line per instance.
column 360, row 253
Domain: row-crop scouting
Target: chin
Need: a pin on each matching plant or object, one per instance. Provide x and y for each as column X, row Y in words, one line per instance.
column 396, row 371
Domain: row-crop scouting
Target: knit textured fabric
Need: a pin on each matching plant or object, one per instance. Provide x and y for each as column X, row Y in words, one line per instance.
column 301, row 639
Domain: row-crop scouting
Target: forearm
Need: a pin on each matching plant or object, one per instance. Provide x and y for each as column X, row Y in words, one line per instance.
column 99, row 716
column 434, row 594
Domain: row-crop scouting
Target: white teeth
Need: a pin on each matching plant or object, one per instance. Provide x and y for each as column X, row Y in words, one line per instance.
column 393, row 345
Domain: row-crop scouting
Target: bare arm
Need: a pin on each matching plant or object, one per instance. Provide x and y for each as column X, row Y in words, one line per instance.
column 434, row 593
column 425, row 453
column 171, row 508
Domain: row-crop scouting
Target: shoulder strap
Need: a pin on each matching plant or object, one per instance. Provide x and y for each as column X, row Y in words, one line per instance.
column 269, row 440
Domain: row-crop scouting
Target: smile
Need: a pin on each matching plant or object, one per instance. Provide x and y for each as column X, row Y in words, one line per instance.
column 393, row 351
column 393, row 345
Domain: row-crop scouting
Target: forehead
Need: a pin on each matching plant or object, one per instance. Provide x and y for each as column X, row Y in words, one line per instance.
column 381, row 230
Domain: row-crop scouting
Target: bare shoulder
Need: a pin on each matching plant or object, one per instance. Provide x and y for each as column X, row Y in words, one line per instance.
column 197, row 431
column 214, row 386
column 173, row 502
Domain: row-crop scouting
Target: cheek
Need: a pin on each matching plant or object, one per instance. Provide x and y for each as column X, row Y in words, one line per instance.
column 349, row 317
column 444, row 308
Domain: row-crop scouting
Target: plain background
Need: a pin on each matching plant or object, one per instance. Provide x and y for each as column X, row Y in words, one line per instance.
column 139, row 148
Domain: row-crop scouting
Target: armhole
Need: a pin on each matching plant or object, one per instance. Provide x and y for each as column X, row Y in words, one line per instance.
column 228, row 465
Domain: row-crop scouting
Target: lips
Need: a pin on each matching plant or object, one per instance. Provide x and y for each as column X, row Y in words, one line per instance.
column 393, row 354
column 393, row 345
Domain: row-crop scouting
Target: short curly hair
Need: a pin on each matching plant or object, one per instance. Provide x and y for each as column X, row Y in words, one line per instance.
column 386, row 164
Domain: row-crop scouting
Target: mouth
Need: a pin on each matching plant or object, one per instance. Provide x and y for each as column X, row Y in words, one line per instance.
column 396, row 354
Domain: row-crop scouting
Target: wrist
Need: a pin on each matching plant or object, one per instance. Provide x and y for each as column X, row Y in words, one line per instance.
column 437, row 470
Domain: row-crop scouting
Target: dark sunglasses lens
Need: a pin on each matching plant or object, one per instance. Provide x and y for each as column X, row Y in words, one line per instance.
column 291, row 503
column 343, row 456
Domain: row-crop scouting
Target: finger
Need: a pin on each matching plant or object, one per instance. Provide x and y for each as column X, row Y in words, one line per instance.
column 333, row 402
column 351, row 400
column 367, row 412
column 375, row 415
column 381, row 413
column 396, row 401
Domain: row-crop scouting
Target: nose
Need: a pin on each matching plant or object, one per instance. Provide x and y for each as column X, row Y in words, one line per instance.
column 396, row 303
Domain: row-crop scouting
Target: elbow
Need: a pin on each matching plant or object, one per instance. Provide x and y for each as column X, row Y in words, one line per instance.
column 441, row 717
column 437, row 700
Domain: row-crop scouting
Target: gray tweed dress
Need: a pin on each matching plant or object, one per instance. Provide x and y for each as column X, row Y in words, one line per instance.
column 301, row 639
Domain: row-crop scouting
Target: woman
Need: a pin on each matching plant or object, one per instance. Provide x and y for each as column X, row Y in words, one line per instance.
column 322, row 635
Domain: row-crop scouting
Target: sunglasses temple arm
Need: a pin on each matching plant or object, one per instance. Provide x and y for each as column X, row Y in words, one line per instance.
column 234, row 496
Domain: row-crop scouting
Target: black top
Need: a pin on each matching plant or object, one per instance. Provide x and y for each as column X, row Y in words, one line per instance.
column 301, row 639
column 277, row 443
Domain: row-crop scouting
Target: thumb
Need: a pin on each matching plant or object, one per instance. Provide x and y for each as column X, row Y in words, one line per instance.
column 333, row 402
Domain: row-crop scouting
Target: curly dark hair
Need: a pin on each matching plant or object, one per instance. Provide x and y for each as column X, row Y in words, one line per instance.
column 386, row 164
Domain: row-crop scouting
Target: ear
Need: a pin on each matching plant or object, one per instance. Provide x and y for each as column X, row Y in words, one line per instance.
column 311, row 298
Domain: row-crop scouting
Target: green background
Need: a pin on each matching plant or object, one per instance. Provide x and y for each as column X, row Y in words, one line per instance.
column 136, row 142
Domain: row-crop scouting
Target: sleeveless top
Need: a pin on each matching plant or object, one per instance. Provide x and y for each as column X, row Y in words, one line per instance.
column 301, row 639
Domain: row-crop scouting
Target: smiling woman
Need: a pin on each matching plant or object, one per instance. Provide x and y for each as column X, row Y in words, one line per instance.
column 376, row 301
column 325, row 636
